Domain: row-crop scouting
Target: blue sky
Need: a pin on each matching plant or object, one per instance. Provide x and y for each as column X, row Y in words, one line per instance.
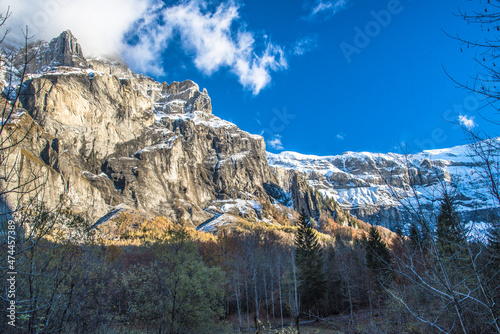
column 298, row 71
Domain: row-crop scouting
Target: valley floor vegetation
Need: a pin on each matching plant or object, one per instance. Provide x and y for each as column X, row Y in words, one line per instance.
column 136, row 274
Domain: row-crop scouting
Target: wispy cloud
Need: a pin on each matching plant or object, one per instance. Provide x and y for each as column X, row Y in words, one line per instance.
column 467, row 122
column 305, row 45
column 215, row 37
column 276, row 143
column 340, row 136
column 326, row 8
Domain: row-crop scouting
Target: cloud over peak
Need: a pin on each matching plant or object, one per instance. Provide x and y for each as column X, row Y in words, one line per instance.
column 96, row 23
column 276, row 143
column 140, row 31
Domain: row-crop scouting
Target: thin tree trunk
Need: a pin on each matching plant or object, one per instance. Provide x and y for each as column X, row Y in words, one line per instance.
column 265, row 295
column 237, row 293
column 350, row 301
column 174, row 311
column 248, row 306
column 272, row 296
column 256, row 297
column 281, row 299
column 296, row 294
column 370, row 300
column 31, row 298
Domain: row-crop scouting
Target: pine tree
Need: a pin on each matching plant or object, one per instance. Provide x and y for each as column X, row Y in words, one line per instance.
column 309, row 261
column 415, row 236
column 450, row 234
column 377, row 254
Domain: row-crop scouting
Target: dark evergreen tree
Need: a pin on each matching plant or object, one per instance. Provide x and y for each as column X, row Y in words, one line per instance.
column 415, row 236
column 450, row 233
column 309, row 261
column 399, row 231
column 377, row 254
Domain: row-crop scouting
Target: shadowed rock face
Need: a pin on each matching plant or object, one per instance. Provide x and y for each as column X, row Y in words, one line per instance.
column 42, row 171
column 155, row 147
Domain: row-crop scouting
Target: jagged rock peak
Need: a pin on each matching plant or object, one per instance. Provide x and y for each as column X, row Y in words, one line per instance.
column 64, row 50
column 182, row 97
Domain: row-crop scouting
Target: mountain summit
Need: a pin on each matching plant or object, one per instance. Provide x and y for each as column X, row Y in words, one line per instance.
column 64, row 51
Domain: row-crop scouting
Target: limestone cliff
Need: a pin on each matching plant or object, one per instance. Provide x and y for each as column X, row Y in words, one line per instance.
column 154, row 147
column 35, row 170
column 375, row 186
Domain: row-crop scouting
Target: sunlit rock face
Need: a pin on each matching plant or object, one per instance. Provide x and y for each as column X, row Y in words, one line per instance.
column 151, row 146
column 376, row 187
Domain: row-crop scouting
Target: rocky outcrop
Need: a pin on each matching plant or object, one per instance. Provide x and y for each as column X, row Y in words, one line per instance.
column 61, row 51
column 303, row 196
column 154, row 147
column 35, row 170
column 180, row 165
column 91, row 114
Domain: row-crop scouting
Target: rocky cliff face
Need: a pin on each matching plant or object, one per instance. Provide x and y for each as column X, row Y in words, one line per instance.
column 154, row 147
column 369, row 184
column 90, row 113
column 43, row 56
column 35, row 170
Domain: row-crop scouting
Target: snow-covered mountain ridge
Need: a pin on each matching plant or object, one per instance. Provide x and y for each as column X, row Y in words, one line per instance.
column 369, row 184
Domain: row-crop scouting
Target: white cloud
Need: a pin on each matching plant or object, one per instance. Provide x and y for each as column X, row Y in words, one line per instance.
column 214, row 36
column 328, row 8
column 96, row 23
column 340, row 136
column 276, row 143
column 305, row 45
column 467, row 121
